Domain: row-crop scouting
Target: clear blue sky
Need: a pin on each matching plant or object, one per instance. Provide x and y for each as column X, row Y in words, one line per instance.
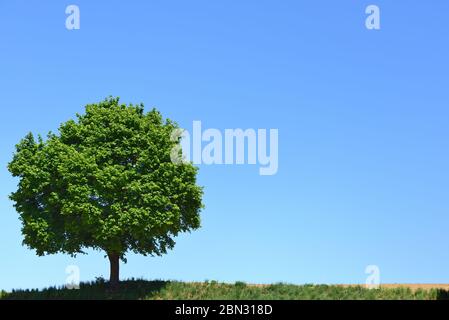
column 362, row 116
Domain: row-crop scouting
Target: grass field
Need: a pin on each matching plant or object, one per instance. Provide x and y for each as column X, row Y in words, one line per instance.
column 173, row 290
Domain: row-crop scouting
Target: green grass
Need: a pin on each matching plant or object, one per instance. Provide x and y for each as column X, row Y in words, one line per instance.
column 173, row 290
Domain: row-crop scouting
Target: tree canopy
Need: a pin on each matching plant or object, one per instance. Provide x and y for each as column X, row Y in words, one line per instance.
column 106, row 181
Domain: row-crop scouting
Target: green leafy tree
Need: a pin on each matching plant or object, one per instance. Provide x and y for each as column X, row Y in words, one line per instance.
column 106, row 181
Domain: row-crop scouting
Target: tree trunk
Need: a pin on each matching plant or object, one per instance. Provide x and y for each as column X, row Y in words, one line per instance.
column 114, row 260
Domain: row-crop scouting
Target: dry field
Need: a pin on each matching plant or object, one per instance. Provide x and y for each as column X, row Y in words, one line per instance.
column 414, row 287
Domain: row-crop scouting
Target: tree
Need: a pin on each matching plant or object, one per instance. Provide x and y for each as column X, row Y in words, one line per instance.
column 105, row 181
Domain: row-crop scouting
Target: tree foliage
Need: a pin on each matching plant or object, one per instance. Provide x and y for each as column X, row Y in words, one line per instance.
column 105, row 181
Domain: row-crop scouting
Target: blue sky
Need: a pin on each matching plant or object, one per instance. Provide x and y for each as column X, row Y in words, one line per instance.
column 362, row 115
